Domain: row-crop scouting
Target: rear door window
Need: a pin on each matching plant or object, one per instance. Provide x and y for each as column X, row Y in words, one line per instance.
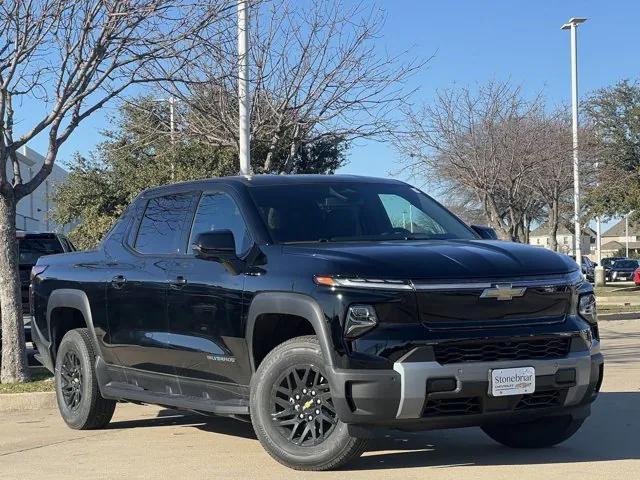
column 163, row 224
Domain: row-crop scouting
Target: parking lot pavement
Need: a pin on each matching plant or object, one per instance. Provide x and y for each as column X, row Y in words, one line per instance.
column 152, row 442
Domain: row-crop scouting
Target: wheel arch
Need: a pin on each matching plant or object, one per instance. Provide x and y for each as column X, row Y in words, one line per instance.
column 69, row 300
column 294, row 304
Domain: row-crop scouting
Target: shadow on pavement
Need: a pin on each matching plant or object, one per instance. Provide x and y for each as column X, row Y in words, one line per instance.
column 611, row 433
column 169, row 418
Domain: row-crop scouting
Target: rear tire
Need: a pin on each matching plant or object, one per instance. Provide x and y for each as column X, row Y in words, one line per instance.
column 541, row 433
column 291, row 382
column 79, row 400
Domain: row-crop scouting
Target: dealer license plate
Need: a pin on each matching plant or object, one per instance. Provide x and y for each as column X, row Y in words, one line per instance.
column 512, row 381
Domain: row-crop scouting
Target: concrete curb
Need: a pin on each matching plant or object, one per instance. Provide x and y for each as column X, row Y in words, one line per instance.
column 619, row 316
column 10, row 402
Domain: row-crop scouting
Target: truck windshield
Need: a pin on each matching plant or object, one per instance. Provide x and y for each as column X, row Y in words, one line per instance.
column 343, row 212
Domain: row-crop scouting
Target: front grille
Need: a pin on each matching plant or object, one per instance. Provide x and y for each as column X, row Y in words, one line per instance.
column 539, row 400
column 539, row 349
column 452, row 406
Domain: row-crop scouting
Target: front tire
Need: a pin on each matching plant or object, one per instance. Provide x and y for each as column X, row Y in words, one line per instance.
column 542, row 433
column 79, row 400
column 292, row 411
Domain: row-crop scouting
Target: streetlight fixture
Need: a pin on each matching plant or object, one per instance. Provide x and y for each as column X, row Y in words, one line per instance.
column 572, row 25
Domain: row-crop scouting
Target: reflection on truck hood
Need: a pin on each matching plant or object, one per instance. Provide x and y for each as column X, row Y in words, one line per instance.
column 434, row 259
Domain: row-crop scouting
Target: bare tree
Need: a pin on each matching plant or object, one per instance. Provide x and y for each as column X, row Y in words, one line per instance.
column 480, row 142
column 74, row 57
column 552, row 179
column 316, row 72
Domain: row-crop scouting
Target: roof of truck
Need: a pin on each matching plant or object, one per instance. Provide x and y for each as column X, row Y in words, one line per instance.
column 274, row 180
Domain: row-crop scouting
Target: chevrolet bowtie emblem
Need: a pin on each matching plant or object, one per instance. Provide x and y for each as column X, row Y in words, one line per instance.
column 503, row 291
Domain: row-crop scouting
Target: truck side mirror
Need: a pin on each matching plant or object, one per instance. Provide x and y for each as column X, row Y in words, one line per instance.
column 486, row 233
column 215, row 245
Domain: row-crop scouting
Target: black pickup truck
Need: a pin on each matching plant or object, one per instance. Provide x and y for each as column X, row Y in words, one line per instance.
column 329, row 309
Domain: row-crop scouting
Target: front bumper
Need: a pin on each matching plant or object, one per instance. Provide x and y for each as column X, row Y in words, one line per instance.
column 411, row 395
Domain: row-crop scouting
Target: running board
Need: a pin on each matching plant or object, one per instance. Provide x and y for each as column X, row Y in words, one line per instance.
column 113, row 384
column 120, row 391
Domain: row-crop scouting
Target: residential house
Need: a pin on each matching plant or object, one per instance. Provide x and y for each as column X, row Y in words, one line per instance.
column 566, row 239
column 614, row 240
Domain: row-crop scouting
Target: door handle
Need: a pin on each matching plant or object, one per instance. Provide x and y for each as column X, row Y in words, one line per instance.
column 118, row 281
column 178, row 283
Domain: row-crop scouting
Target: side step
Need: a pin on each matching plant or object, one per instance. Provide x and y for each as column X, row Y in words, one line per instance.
column 114, row 384
column 121, row 391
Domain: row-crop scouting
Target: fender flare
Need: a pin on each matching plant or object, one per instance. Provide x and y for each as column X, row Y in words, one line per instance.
column 291, row 304
column 78, row 300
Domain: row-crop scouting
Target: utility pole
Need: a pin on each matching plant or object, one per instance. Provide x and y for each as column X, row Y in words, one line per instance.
column 573, row 26
column 243, row 89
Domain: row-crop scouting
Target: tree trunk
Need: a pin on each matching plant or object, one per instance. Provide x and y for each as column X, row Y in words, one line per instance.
column 14, row 357
column 526, row 229
column 554, row 220
column 491, row 212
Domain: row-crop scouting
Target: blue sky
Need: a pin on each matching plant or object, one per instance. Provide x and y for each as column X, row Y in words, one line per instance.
column 476, row 41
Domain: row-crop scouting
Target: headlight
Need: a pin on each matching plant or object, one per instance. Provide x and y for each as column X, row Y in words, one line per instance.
column 587, row 308
column 360, row 319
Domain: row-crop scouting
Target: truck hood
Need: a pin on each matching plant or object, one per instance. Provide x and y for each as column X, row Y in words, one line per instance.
column 434, row 259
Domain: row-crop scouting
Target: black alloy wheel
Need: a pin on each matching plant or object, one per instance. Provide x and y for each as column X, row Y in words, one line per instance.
column 301, row 406
column 71, row 380
column 79, row 400
column 293, row 411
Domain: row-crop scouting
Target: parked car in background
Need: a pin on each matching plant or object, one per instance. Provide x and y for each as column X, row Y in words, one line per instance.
column 623, row 270
column 32, row 246
column 636, row 277
column 587, row 266
column 606, row 264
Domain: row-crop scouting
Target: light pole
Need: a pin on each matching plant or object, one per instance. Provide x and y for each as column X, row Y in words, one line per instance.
column 172, row 120
column 243, row 89
column 626, row 234
column 572, row 25
column 598, row 226
column 172, row 126
column 598, row 272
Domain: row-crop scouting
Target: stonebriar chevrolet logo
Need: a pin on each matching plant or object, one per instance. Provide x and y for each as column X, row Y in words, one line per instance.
column 503, row 291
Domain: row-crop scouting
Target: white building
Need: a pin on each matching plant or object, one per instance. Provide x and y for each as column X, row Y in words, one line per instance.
column 33, row 211
column 566, row 239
